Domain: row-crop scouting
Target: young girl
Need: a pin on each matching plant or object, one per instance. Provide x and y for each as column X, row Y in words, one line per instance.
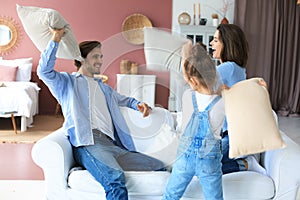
column 199, row 152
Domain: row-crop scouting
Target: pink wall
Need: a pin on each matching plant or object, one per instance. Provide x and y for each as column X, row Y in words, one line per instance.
column 96, row 20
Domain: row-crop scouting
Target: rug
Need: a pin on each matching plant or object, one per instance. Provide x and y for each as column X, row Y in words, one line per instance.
column 41, row 127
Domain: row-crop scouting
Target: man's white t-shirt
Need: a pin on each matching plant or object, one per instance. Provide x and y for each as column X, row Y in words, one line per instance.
column 100, row 116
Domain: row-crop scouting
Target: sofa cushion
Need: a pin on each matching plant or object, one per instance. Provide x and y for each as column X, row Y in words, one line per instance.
column 143, row 183
column 240, row 185
column 253, row 184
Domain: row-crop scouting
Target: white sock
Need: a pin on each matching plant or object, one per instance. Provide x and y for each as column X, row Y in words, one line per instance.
column 253, row 165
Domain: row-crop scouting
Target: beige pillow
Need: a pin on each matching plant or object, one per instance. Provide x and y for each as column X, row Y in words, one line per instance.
column 36, row 22
column 252, row 127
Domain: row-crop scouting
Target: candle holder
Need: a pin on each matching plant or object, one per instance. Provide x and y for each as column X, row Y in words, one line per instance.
column 194, row 14
column 199, row 15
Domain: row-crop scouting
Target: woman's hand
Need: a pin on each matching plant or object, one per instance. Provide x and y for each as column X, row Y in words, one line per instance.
column 263, row 83
column 144, row 108
column 221, row 88
column 57, row 34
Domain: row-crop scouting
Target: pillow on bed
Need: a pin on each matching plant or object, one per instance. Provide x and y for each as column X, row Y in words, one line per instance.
column 252, row 127
column 24, row 67
column 36, row 22
column 8, row 73
column 24, row 72
column 18, row 61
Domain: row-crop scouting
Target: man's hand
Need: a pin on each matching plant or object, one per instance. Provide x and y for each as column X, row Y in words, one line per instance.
column 57, row 34
column 144, row 108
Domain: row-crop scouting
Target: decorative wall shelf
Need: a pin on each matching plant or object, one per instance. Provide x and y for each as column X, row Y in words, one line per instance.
column 198, row 33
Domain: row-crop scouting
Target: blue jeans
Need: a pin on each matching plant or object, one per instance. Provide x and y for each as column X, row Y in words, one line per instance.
column 204, row 162
column 230, row 165
column 107, row 163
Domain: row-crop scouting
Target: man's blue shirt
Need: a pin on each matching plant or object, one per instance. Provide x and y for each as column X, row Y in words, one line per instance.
column 72, row 93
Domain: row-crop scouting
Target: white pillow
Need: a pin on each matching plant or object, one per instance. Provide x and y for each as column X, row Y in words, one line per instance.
column 252, row 127
column 153, row 135
column 24, row 72
column 36, row 22
column 162, row 49
column 24, row 68
column 23, row 60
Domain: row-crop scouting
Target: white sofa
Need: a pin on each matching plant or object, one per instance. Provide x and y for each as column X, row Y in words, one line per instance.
column 54, row 155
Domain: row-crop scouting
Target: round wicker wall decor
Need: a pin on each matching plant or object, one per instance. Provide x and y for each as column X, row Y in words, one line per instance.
column 132, row 28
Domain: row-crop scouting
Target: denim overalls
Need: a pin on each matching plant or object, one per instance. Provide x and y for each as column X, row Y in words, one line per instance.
column 199, row 154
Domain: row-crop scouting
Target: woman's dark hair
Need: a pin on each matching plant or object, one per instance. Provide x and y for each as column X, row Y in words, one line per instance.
column 235, row 45
column 200, row 65
column 85, row 48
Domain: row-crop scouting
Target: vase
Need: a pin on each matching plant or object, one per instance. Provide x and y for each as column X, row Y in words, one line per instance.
column 224, row 21
column 215, row 21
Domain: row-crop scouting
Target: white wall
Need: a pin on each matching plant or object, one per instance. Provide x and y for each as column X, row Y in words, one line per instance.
column 207, row 7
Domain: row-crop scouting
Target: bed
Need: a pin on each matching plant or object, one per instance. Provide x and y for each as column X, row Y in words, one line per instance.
column 17, row 92
column 21, row 97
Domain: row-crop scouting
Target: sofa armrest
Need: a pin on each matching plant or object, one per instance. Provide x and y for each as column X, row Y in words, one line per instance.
column 54, row 155
column 283, row 165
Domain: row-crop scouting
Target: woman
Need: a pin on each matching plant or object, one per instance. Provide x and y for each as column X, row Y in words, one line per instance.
column 231, row 48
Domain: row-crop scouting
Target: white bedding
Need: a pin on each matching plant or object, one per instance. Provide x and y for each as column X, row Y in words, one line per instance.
column 21, row 97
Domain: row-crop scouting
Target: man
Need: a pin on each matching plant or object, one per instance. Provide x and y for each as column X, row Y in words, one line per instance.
column 93, row 122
